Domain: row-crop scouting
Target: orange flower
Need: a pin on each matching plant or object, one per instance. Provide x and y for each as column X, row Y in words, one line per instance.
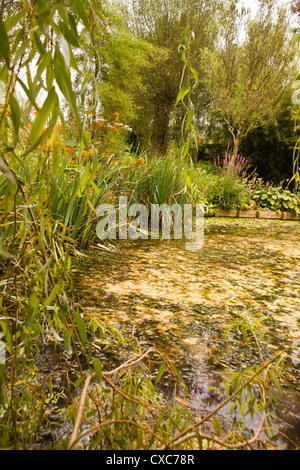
column 6, row 109
column 140, row 161
column 115, row 129
column 116, row 116
column 87, row 153
column 58, row 127
column 36, row 111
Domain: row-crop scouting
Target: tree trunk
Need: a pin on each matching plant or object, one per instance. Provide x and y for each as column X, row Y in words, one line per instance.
column 236, row 147
column 159, row 138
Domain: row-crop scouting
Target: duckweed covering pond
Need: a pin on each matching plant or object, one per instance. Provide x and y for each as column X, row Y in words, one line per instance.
column 183, row 302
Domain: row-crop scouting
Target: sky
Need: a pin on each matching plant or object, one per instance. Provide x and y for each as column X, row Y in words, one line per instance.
column 250, row 4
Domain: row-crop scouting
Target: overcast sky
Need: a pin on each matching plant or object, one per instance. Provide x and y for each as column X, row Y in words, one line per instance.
column 250, row 3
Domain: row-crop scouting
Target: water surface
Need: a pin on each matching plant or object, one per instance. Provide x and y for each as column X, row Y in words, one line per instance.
column 183, row 301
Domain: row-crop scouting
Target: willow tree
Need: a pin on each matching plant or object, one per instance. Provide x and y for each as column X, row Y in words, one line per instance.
column 161, row 23
column 248, row 73
column 110, row 63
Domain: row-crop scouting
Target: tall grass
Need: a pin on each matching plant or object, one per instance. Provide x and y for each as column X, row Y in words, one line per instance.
column 77, row 186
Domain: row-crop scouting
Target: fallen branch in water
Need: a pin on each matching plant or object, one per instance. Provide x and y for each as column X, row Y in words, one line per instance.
column 129, row 363
column 191, row 432
column 80, row 412
column 186, row 434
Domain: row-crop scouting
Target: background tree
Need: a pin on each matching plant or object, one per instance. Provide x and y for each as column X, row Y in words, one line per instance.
column 269, row 148
column 248, row 72
column 108, row 70
column 161, row 23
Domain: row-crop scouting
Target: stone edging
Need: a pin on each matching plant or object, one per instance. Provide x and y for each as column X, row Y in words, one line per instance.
column 254, row 214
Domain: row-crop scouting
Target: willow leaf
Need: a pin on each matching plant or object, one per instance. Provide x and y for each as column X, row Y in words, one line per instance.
column 4, row 44
column 43, row 116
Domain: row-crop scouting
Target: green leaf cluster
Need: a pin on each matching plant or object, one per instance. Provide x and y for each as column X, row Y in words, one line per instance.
column 277, row 199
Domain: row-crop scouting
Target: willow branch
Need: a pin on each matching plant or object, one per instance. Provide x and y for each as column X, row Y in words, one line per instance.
column 115, row 421
column 213, row 412
column 129, row 363
column 73, row 438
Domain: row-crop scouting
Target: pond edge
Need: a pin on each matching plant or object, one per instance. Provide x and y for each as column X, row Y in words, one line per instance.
column 254, row 214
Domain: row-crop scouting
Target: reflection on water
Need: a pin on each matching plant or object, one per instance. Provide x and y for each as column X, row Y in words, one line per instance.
column 183, row 301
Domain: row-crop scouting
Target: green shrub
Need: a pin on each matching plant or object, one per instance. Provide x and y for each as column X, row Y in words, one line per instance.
column 276, row 199
column 231, row 183
column 232, row 193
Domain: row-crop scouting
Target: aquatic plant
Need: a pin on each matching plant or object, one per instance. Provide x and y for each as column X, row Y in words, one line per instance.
column 129, row 425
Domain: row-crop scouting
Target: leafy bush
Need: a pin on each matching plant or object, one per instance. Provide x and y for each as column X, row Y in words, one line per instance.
column 276, row 199
column 232, row 184
column 233, row 193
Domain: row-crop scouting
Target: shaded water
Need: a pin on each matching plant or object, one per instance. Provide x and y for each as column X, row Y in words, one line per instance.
column 182, row 301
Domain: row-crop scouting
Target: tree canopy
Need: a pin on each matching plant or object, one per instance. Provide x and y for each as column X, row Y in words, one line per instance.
column 162, row 24
column 129, row 66
column 249, row 71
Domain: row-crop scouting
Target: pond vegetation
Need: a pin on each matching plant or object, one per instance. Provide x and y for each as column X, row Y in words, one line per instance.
column 183, row 302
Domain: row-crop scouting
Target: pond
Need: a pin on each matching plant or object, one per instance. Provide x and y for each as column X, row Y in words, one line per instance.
column 183, row 302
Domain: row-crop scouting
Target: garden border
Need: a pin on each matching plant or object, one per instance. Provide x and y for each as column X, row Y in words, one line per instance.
column 254, row 214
